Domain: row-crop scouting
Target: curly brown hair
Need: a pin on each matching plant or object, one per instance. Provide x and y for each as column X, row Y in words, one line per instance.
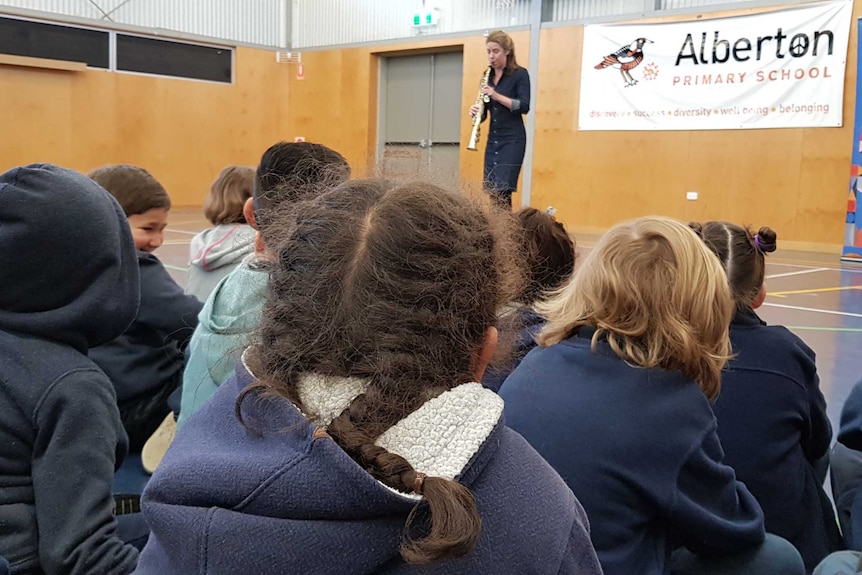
column 549, row 251
column 397, row 285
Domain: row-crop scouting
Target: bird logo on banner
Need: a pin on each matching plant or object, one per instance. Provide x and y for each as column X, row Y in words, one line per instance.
column 626, row 59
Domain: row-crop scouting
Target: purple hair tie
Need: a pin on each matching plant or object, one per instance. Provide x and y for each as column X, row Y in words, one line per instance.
column 762, row 247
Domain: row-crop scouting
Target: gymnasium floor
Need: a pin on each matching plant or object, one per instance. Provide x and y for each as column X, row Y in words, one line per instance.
column 815, row 295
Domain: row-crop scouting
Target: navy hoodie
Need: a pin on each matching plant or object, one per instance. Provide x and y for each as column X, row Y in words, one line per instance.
column 283, row 500
column 68, row 281
column 773, row 426
column 640, row 450
column 150, row 353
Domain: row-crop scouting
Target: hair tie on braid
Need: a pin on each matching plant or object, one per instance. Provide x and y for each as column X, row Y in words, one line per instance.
column 419, row 484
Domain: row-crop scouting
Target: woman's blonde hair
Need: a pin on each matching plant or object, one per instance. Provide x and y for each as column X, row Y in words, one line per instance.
column 657, row 294
column 228, row 194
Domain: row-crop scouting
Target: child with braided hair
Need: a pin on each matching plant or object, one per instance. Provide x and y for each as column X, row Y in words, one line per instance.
column 355, row 438
column 771, row 413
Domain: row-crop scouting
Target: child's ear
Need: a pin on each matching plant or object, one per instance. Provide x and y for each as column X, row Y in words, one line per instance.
column 761, row 297
column 486, row 352
column 248, row 212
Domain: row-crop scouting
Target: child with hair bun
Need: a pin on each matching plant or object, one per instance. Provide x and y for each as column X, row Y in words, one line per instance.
column 354, row 437
column 771, row 413
column 617, row 397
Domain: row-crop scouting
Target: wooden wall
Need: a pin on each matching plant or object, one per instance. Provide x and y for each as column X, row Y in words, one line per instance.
column 183, row 131
column 793, row 180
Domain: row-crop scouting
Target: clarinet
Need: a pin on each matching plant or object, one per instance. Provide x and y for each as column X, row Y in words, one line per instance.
column 482, row 99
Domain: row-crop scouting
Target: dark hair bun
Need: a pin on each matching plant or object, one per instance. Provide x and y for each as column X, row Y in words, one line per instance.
column 697, row 228
column 767, row 240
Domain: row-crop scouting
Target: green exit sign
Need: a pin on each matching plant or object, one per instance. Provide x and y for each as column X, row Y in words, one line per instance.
column 421, row 19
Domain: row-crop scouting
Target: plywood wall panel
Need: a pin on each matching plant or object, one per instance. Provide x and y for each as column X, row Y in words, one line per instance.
column 183, row 131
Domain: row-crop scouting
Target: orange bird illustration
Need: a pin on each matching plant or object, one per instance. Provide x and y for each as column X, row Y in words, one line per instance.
column 626, row 58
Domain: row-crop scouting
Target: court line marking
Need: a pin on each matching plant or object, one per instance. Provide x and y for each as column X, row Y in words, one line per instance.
column 815, row 290
column 175, row 268
column 799, row 273
column 181, row 232
column 800, row 265
column 821, row 328
column 195, row 222
column 815, row 310
column 176, row 243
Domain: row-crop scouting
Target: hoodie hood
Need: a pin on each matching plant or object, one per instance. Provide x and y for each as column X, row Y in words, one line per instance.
column 226, row 496
column 224, row 245
column 225, row 327
column 68, row 269
column 235, row 304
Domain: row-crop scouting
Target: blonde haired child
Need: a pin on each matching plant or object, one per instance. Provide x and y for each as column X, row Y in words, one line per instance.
column 617, row 401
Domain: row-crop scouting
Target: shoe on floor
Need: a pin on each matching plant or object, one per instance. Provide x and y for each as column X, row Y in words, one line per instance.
column 158, row 443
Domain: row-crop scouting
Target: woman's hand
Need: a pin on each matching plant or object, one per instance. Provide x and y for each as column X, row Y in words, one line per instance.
column 490, row 92
column 474, row 109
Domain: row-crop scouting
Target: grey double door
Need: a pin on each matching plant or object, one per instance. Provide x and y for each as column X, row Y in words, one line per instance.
column 421, row 117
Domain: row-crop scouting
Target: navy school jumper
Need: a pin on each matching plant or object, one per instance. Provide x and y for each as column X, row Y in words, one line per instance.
column 226, row 500
column 149, row 354
column 773, row 427
column 639, row 449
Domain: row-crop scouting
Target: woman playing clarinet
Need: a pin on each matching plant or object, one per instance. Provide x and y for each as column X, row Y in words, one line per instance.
column 508, row 91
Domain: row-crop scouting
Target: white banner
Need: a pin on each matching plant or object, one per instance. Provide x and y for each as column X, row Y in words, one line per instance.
column 777, row 69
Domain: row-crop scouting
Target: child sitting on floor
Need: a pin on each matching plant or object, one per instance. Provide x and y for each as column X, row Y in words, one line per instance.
column 771, row 414
column 145, row 363
column 217, row 251
column 357, row 437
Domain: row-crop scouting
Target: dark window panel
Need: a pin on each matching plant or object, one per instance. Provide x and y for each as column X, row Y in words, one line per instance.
column 166, row 58
column 54, row 41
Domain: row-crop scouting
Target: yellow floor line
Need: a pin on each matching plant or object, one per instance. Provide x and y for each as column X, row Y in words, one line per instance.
column 813, row 290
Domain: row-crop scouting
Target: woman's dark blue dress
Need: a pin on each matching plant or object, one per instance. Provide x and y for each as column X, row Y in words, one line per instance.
column 507, row 138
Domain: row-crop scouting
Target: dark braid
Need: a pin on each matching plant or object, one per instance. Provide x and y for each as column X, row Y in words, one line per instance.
column 395, row 285
column 455, row 520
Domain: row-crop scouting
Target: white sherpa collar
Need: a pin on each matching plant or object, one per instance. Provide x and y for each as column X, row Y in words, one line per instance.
column 438, row 439
column 441, row 437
